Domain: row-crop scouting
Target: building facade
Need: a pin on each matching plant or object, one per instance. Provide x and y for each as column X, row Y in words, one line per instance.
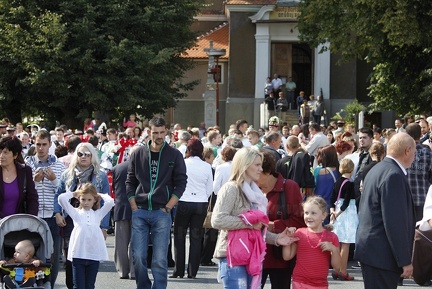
column 261, row 39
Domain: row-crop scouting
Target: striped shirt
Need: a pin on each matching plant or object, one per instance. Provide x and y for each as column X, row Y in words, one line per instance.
column 312, row 263
column 46, row 189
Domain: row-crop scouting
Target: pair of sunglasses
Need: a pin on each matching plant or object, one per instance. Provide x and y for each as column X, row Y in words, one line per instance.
column 87, row 154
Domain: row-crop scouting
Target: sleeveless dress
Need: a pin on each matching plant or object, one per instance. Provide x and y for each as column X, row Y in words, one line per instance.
column 345, row 226
column 324, row 184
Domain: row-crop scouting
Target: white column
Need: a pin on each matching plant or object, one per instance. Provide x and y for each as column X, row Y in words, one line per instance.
column 262, row 63
column 322, row 73
column 262, row 68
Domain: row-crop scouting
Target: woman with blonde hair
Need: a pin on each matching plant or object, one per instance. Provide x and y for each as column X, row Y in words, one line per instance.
column 238, row 195
column 84, row 168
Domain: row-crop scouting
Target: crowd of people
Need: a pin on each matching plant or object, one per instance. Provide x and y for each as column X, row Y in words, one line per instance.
column 282, row 188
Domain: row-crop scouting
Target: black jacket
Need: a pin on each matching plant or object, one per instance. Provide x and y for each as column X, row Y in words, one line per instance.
column 171, row 177
column 297, row 168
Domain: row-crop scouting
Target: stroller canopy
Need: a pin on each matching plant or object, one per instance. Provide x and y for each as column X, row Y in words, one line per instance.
column 34, row 225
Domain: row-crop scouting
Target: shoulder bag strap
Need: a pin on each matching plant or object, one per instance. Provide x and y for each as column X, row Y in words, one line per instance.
column 332, row 174
column 25, row 190
column 209, row 207
column 282, row 204
column 340, row 189
column 289, row 165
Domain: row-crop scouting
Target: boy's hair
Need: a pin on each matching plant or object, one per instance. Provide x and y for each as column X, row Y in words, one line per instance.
column 292, row 142
column 93, row 140
column 88, row 188
column 240, row 122
column 43, row 134
column 346, row 166
column 212, row 135
column 252, row 132
column 111, row 131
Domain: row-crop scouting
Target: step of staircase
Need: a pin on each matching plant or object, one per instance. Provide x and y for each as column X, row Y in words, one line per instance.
column 291, row 118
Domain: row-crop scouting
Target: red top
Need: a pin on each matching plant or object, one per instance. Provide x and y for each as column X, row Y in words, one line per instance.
column 294, row 207
column 312, row 263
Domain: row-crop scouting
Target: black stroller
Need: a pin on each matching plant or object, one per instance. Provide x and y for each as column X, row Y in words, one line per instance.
column 14, row 229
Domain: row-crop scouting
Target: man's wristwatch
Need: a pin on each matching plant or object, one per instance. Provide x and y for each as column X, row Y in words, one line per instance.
column 167, row 209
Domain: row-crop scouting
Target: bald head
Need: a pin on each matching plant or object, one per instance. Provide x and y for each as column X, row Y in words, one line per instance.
column 402, row 147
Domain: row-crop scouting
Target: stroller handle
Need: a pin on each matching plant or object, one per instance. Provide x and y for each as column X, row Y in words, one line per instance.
column 44, row 265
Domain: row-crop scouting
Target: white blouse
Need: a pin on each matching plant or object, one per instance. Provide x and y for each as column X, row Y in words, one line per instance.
column 200, row 180
column 87, row 240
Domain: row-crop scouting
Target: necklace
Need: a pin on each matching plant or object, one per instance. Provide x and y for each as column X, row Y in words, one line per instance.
column 319, row 241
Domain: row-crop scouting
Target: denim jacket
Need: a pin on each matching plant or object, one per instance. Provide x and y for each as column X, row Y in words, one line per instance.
column 99, row 180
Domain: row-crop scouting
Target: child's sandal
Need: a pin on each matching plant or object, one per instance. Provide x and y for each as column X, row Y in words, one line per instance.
column 345, row 277
column 335, row 275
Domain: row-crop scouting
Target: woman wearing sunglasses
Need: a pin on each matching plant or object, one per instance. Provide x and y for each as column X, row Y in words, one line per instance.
column 84, row 168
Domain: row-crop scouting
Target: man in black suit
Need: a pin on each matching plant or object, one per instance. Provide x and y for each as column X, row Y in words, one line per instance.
column 122, row 218
column 384, row 240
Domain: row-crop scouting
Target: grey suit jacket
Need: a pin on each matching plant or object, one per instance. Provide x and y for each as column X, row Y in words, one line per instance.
column 386, row 218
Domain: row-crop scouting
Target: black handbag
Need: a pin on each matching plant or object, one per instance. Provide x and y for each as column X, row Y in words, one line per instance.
column 422, row 256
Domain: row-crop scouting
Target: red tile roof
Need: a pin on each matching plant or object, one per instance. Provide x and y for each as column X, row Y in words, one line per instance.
column 220, row 37
column 251, row 2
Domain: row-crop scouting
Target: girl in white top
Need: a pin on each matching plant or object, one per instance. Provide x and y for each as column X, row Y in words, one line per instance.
column 87, row 244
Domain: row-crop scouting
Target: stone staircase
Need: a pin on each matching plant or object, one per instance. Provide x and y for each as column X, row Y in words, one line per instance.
column 292, row 117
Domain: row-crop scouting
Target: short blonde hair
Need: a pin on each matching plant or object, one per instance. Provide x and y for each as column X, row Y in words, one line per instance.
column 346, row 166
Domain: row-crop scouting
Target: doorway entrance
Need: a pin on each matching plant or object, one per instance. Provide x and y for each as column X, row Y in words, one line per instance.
column 293, row 60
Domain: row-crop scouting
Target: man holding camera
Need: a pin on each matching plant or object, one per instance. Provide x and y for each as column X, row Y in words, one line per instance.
column 47, row 170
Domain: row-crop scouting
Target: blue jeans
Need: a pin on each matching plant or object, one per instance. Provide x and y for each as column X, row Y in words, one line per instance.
column 157, row 226
column 84, row 273
column 55, row 233
column 234, row 278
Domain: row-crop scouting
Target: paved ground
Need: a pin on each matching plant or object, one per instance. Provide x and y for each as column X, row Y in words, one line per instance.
column 206, row 278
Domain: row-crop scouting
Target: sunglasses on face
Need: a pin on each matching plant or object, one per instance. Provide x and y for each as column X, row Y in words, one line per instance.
column 86, row 154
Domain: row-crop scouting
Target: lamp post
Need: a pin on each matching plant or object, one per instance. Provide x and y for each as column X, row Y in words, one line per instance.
column 212, row 54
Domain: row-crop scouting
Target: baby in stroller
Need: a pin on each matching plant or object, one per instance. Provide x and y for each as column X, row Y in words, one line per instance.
column 24, row 253
column 26, row 242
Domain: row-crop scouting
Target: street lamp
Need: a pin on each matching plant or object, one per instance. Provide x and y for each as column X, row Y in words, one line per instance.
column 215, row 53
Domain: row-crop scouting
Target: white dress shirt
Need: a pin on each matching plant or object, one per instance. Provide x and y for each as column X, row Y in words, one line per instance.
column 319, row 140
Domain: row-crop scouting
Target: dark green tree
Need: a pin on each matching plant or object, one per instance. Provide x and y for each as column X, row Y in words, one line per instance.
column 394, row 36
column 67, row 59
